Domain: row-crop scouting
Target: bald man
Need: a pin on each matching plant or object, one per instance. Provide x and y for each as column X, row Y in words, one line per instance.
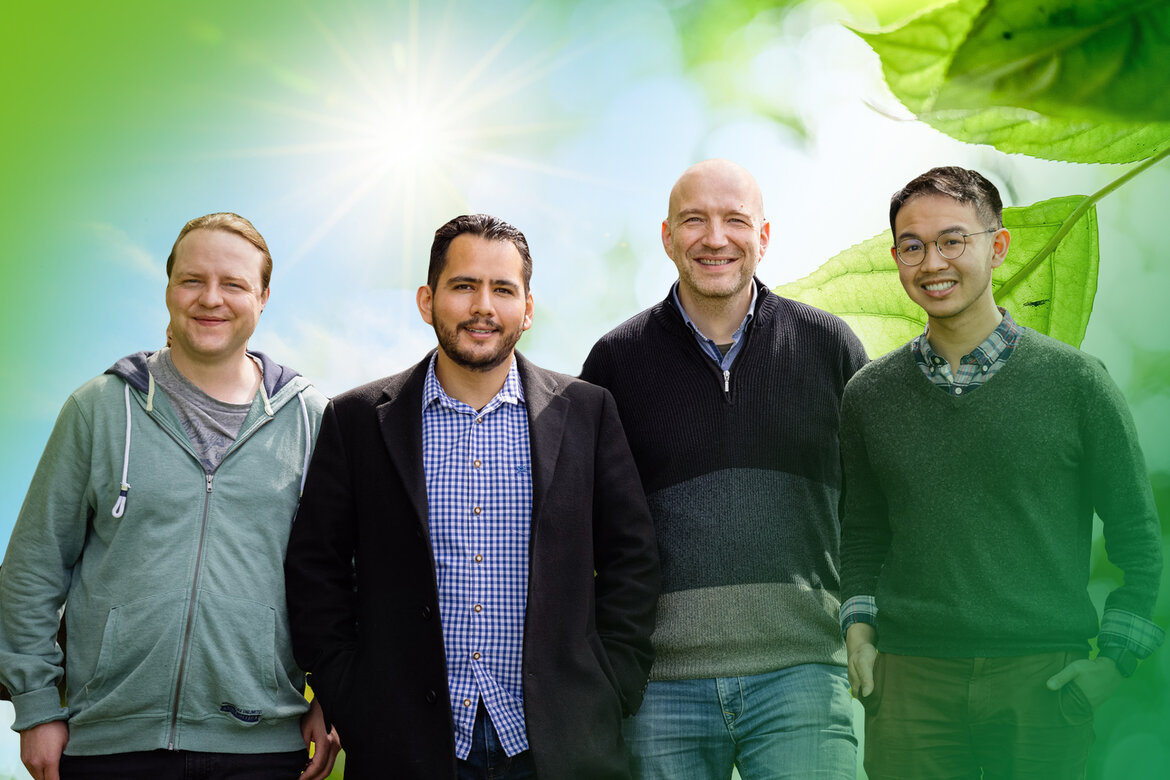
column 730, row 397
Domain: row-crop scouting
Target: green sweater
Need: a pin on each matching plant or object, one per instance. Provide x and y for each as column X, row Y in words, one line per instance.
column 970, row 518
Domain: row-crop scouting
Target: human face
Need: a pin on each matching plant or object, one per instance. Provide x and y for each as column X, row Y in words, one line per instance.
column 214, row 296
column 715, row 232
column 952, row 292
column 479, row 307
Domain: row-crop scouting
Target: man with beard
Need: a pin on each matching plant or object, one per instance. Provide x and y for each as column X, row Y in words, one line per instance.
column 473, row 571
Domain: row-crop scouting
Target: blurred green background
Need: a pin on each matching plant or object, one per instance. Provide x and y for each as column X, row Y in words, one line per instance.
column 348, row 131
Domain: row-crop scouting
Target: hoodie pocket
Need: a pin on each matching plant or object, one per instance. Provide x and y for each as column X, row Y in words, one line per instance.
column 230, row 672
column 134, row 673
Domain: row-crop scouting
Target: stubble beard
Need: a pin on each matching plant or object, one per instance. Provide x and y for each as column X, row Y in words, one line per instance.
column 449, row 343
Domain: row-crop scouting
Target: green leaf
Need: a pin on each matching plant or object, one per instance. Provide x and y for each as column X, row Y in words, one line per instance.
column 1053, row 296
column 916, row 57
column 1100, row 60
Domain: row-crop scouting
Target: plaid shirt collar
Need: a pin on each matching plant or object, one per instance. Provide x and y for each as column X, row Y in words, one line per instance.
column 512, row 391
column 983, row 360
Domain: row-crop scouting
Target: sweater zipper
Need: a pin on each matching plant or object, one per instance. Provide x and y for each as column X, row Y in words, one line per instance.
column 210, row 476
column 726, row 382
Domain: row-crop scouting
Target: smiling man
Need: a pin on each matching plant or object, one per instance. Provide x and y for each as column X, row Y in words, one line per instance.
column 730, row 397
column 472, row 574
column 158, row 516
column 975, row 458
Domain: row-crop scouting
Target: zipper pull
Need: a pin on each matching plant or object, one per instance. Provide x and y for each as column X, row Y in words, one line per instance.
column 727, row 380
column 209, row 476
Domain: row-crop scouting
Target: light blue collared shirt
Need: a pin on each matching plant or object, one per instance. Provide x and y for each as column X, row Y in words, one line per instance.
column 710, row 347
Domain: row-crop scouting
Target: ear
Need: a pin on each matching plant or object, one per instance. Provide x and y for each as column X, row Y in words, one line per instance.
column 765, row 236
column 999, row 247
column 666, row 242
column 529, row 303
column 894, row 254
column 425, row 300
column 264, row 298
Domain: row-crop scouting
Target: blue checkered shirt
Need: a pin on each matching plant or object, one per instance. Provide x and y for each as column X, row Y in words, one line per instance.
column 1118, row 627
column 478, row 469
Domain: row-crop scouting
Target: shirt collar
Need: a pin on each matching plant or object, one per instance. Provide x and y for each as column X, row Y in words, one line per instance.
column 512, row 391
column 751, row 312
column 1003, row 339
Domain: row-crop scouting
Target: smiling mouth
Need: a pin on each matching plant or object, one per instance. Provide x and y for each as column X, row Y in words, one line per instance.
column 939, row 286
column 714, row 261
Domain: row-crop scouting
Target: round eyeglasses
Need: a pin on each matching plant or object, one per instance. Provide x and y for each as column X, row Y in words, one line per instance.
column 912, row 251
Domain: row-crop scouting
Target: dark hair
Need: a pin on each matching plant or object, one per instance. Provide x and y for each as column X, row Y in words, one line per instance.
column 484, row 226
column 957, row 184
column 229, row 223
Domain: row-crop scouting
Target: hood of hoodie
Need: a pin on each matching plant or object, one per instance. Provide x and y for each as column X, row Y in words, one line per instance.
column 132, row 369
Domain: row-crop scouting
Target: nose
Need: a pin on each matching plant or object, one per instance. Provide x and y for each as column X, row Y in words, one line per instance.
column 211, row 296
column 716, row 235
column 481, row 301
column 932, row 258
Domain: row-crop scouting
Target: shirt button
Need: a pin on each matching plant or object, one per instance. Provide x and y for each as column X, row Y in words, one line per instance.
column 958, row 391
column 478, row 420
column 984, row 369
column 467, row 702
column 478, row 558
column 479, row 463
column 477, row 510
column 475, row 656
column 477, row 608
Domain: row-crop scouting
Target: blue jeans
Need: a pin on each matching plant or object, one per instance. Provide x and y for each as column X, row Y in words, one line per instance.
column 792, row 724
column 487, row 760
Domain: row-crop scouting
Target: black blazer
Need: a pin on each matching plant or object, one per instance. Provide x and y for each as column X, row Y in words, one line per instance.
column 363, row 603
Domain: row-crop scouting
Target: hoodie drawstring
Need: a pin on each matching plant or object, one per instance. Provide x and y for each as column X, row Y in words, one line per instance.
column 120, row 504
column 308, row 440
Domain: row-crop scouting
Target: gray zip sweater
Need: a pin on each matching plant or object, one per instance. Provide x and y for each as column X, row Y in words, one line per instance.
column 174, row 588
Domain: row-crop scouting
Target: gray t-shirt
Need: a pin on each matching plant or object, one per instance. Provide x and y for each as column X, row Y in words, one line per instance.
column 211, row 425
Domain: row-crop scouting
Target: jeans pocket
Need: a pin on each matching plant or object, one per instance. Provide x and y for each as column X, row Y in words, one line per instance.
column 871, row 702
column 1074, row 704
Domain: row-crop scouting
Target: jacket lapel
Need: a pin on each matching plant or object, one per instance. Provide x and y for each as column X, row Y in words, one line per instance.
column 546, row 427
column 400, row 418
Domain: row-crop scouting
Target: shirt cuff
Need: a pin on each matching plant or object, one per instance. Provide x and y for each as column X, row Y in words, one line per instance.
column 858, row 609
column 1126, row 630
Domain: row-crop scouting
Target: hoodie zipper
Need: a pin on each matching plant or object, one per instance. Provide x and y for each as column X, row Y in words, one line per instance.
column 190, row 621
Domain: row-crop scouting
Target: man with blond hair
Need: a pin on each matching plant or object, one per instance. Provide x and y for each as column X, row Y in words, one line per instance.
column 158, row 518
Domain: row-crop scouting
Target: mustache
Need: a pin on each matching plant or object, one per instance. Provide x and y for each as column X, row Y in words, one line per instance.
column 480, row 324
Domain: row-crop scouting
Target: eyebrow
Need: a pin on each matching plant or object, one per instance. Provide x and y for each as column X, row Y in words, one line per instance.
column 480, row 280
column 951, row 229
column 703, row 212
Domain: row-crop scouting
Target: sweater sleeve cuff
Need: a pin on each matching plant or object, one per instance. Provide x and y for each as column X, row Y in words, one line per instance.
column 37, row 707
column 1128, row 631
column 858, row 609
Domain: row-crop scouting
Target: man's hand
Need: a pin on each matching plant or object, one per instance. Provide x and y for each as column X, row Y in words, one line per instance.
column 859, row 646
column 325, row 743
column 41, row 748
column 1097, row 678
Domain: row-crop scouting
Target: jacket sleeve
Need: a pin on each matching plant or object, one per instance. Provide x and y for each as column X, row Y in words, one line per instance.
column 626, row 551
column 34, row 581
column 319, row 584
